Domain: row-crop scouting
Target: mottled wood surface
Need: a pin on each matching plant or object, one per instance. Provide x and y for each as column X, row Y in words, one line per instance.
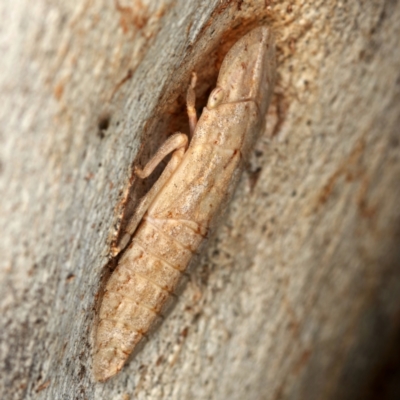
column 297, row 295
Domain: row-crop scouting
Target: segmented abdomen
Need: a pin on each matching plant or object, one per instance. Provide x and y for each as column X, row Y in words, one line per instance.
column 140, row 287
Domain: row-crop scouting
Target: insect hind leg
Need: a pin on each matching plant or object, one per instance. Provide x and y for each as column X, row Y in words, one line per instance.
column 177, row 143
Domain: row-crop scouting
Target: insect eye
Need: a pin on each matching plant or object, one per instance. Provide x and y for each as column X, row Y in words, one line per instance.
column 216, row 97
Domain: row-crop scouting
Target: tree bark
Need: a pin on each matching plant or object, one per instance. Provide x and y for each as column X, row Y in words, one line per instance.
column 297, row 294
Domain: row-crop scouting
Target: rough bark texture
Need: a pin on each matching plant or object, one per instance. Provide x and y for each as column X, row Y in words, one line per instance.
column 297, row 295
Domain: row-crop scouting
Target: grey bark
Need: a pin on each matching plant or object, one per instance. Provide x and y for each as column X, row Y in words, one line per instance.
column 297, row 295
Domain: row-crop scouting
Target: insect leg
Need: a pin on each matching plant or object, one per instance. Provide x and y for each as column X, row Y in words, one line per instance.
column 177, row 143
column 190, row 104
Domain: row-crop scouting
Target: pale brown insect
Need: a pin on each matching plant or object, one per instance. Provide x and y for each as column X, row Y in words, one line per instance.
column 174, row 217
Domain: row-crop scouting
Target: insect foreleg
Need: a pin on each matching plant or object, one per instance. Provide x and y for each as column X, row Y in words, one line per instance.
column 190, row 104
